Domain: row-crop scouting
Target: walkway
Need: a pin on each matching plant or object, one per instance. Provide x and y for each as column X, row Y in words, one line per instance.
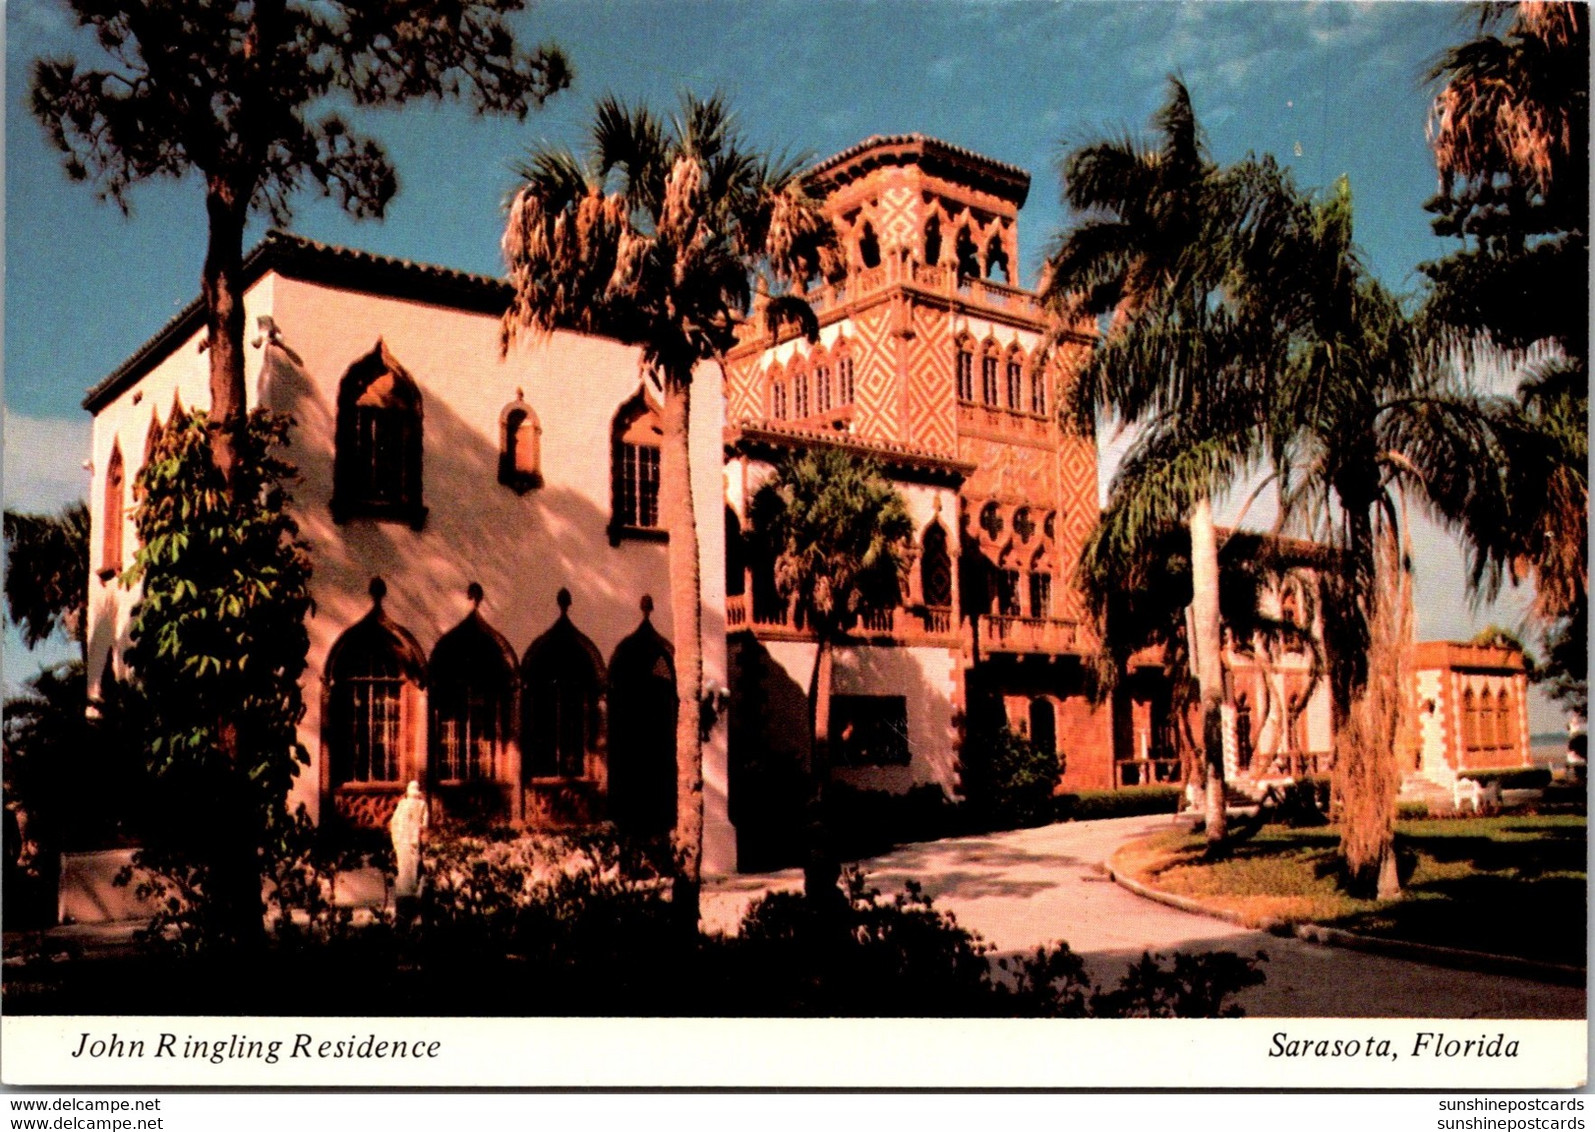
column 1027, row 887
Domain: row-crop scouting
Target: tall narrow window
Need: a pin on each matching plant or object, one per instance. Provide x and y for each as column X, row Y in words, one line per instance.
column 869, row 247
column 997, row 259
column 1044, row 725
column 936, row 569
column 1470, row 721
column 844, row 381
column 1243, row 732
column 377, row 466
column 966, row 374
column 114, row 516
column 933, row 240
column 1015, row 390
column 1008, row 593
column 1038, row 393
column 822, row 389
column 778, row 399
column 800, row 395
column 374, row 675
column 636, row 437
column 562, row 681
column 1040, row 594
column 988, row 378
column 472, row 700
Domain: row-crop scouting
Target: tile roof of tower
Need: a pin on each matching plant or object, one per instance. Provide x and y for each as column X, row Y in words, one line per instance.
column 1008, row 181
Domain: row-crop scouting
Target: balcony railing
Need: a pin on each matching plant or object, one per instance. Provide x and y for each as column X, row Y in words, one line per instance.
column 1028, row 634
column 908, row 626
column 894, row 272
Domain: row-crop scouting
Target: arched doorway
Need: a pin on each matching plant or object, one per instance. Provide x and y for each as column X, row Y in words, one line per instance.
column 562, row 724
column 642, row 731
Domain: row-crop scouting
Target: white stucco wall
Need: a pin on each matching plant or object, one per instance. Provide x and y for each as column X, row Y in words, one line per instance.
column 522, row 549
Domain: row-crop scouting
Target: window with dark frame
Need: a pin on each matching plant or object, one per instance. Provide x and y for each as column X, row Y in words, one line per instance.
column 1008, row 593
column 966, row 374
column 988, row 380
column 1015, row 385
column 870, row 730
column 844, row 381
column 637, row 436
column 1040, row 594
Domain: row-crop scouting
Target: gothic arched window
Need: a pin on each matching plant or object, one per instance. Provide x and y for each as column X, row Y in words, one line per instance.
column 1015, row 390
column 562, row 681
column 822, row 389
column 997, row 259
column 966, row 371
column 375, row 672
column 114, row 515
column 800, row 394
column 520, row 455
column 1038, row 392
column 642, row 730
column 472, row 698
column 869, row 246
column 988, row 374
column 778, row 406
column 933, row 240
column 844, row 379
column 936, row 569
column 636, row 437
column 377, row 467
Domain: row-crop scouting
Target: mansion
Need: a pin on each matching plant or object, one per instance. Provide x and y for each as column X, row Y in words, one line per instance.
column 492, row 614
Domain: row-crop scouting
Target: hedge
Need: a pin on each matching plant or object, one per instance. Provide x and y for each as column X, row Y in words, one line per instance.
column 1134, row 801
column 1511, row 778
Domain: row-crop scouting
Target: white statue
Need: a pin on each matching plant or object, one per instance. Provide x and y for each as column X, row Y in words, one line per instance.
column 409, row 821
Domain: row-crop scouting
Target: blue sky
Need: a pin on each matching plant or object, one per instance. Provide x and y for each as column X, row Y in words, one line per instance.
column 1328, row 88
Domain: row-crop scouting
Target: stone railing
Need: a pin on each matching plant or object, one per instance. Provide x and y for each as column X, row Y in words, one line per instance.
column 903, row 626
column 944, row 281
column 1028, row 634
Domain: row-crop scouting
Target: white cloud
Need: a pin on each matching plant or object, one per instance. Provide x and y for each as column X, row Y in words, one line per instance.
column 44, row 461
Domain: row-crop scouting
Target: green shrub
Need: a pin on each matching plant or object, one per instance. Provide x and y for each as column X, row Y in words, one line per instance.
column 1511, row 778
column 1411, row 811
column 1091, row 805
column 1007, row 781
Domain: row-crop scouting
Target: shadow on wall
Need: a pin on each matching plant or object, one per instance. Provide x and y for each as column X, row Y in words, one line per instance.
column 521, row 548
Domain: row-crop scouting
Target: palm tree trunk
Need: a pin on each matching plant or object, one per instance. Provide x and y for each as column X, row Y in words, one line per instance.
column 221, row 287
column 1365, row 761
column 1207, row 660
column 680, row 519
column 821, row 871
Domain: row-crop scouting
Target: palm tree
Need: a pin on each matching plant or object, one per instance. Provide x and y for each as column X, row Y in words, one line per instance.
column 1155, row 253
column 657, row 236
column 47, row 572
column 1510, row 129
column 838, row 533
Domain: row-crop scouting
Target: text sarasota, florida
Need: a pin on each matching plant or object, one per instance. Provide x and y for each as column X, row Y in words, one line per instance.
column 1425, row 1043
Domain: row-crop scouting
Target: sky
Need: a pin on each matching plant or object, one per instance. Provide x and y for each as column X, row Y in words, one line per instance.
column 1327, row 88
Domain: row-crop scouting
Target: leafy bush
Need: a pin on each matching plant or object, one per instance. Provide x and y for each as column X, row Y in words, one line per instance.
column 1007, row 780
column 1090, row 805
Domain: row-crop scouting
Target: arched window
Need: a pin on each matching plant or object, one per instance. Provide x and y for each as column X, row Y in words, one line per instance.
column 114, row 514
column 778, row 406
column 800, row 394
column 635, row 439
column 997, row 259
column 1470, row 721
column 869, row 247
column 1016, row 374
column 642, row 730
column 936, row 569
column 822, row 389
column 472, row 697
column 968, row 255
column 1038, row 392
column 1503, row 721
column 562, row 681
column 520, row 456
column 374, row 677
column 377, row 468
column 844, row 380
column 988, row 374
column 966, row 371
column 151, row 439
column 933, row 240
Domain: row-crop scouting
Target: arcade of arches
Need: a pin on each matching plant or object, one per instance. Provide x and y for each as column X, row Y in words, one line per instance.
column 556, row 738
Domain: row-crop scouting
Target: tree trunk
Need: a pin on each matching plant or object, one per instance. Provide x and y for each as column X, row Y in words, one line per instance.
column 221, row 288
column 1207, row 661
column 680, row 519
column 821, row 871
column 1365, row 758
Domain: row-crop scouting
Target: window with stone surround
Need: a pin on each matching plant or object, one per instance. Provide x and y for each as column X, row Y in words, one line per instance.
column 966, row 372
column 844, row 380
column 472, row 697
column 375, row 672
column 800, row 394
column 988, row 377
column 1038, row 392
column 1040, row 594
column 1016, row 371
column 113, row 515
column 822, row 389
column 636, row 437
column 377, row 466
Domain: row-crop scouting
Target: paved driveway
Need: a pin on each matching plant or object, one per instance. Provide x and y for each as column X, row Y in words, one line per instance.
column 1028, row 887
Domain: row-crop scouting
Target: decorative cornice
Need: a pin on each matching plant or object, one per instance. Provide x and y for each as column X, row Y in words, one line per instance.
column 763, row 439
column 1008, row 182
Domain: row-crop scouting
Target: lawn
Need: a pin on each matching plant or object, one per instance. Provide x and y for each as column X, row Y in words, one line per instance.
column 1505, row 885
